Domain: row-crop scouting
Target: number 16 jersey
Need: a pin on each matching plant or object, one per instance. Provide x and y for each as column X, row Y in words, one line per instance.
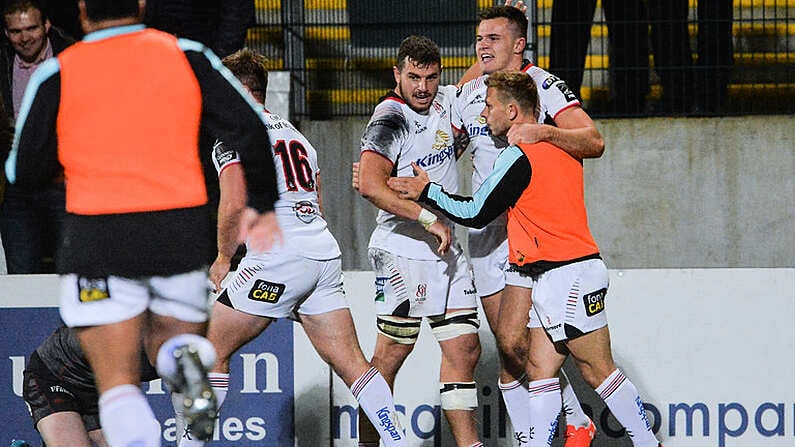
column 298, row 209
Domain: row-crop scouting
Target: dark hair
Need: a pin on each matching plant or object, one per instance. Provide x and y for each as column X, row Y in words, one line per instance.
column 516, row 85
column 515, row 17
column 97, row 10
column 13, row 6
column 421, row 50
column 250, row 68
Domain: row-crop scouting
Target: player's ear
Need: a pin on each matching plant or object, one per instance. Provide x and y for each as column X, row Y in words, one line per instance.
column 519, row 45
column 396, row 72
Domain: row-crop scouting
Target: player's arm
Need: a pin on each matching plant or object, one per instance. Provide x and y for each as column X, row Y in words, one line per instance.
column 460, row 142
column 473, row 72
column 318, row 190
column 574, row 132
column 231, row 204
column 33, row 160
column 374, row 172
column 499, row 191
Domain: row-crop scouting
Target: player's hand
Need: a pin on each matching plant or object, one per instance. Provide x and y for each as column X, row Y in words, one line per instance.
column 260, row 231
column 442, row 233
column 355, row 175
column 219, row 270
column 527, row 133
column 410, row 187
column 519, row 5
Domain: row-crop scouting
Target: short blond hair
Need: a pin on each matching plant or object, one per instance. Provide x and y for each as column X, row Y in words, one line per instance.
column 518, row 86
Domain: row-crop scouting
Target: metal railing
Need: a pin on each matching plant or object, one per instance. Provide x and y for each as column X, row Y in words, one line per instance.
column 672, row 58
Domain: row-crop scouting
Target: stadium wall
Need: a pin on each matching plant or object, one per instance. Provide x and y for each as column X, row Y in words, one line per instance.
column 667, row 193
column 710, row 366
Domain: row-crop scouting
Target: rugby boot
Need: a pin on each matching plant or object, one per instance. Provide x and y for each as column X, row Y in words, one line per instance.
column 200, row 407
column 580, row 436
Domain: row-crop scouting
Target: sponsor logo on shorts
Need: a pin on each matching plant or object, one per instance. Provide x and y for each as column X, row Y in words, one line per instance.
column 384, row 416
column 379, row 288
column 555, row 327
column 60, row 389
column 267, row 292
column 594, row 302
column 422, row 293
column 471, row 291
column 92, row 289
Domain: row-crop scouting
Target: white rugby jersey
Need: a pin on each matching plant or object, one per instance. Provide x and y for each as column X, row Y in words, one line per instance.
column 298, row 210
column 401, row 135
column 554, row 97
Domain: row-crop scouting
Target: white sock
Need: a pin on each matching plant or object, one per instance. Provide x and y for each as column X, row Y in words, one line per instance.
column 375, row 399
column 514, row 394
column 220, row 384
column 571, row 405
column 545, row 401
column 623, row 400
column 167, row 365
column 127, row 418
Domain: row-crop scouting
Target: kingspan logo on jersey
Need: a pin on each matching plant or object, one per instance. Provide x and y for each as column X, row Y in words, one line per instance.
column 479, row 128
column 444, row 148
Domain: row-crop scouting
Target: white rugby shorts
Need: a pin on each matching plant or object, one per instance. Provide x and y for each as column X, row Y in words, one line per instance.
column 99, row 301
column 422, row 288
column 570, row 300
column 280, row 285
column 488, row 250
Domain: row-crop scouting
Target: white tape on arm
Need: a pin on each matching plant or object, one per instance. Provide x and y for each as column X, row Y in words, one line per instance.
column 426, row 218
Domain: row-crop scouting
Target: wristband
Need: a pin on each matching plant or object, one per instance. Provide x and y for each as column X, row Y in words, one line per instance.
column 426, row 218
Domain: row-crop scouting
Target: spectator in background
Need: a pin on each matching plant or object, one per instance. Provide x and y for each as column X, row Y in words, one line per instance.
column 687, row 87
column 30, row 221
column 627, row 40
column 221, row 25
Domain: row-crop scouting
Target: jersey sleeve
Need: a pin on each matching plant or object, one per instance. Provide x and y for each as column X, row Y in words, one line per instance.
column 554, row 94
column 386, row 131
column 499, row 191
column 223, row 156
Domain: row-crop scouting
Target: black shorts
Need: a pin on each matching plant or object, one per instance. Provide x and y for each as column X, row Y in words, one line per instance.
column 45, row 394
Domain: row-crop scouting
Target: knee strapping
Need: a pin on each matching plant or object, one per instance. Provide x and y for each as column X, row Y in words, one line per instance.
column 400, row 329
column 459, row 395
column 454, row 324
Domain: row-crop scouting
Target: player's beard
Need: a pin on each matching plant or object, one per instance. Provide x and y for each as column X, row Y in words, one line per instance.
column 410, row 101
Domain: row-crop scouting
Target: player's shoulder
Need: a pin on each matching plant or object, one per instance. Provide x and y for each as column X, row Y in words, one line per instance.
column 540, row 76
column 472, row 87
column 390, row 109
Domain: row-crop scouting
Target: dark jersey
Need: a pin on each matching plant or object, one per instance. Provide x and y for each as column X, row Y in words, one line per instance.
column 62, row 355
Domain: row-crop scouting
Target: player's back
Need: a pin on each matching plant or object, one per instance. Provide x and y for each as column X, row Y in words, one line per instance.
column 298, row 207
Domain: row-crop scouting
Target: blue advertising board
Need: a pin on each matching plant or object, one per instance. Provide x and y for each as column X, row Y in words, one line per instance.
column 258, row 408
